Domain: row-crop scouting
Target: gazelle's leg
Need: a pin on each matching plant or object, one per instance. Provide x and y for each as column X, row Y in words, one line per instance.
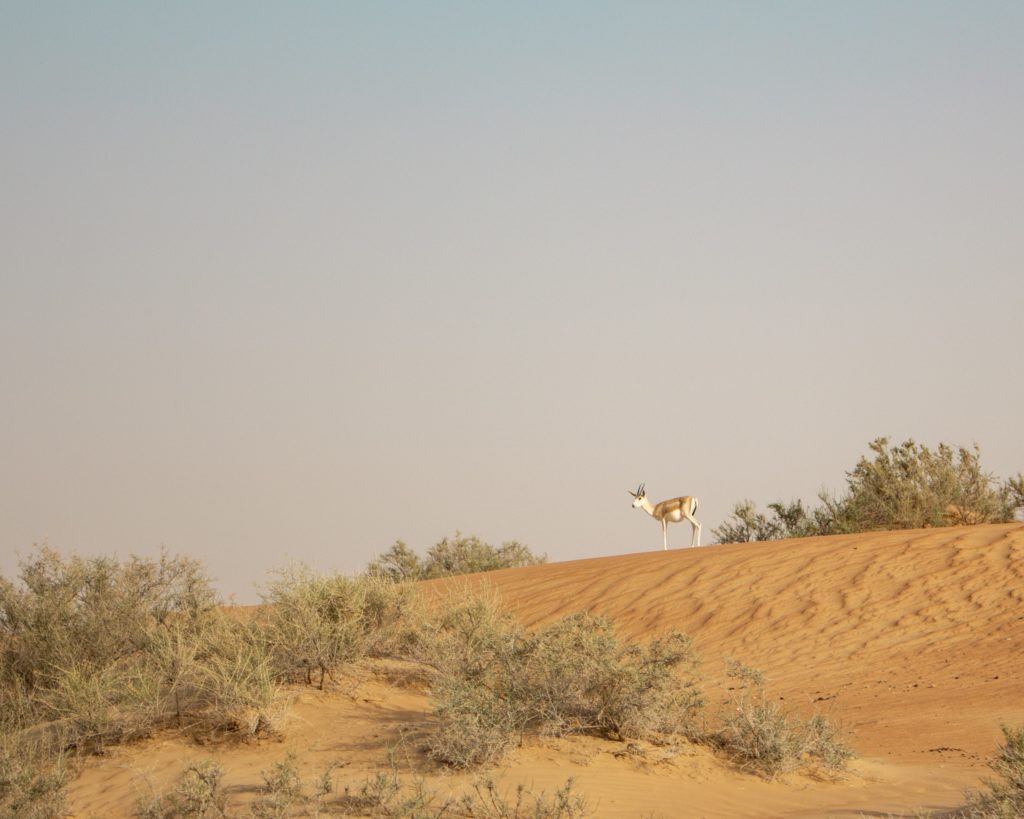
column 695, row 540
column 664, row 534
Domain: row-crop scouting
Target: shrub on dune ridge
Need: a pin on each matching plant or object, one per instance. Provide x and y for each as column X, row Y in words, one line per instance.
column 907, row 486
column 447, row 558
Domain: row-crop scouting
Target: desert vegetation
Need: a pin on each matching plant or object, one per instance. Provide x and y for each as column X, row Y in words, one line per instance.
column 200, row 794
column 907, row 486
column 764, row 738
column 95, row 652
column 1003, row 796
column 312, row 624
column 494, row 683
column 459, row 555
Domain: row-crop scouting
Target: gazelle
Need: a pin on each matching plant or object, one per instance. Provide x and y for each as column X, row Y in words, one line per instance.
column 669, row 511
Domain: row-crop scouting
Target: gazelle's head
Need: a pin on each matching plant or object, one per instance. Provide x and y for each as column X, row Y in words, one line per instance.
column 639, row 496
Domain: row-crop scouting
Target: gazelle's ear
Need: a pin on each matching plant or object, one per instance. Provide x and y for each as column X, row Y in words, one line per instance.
column 631, row 493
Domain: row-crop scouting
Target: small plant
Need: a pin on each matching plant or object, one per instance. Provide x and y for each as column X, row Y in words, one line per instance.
column 198, row 795
column 487, row 802
column 384, row 794
column 282, row 792
column 761, row 737
column 1004, row 797
column 747, row 676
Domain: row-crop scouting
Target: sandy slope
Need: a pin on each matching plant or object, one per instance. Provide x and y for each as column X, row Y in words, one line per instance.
column 913, row 640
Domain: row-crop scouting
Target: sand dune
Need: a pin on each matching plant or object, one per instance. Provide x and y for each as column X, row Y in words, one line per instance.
column 913, row 640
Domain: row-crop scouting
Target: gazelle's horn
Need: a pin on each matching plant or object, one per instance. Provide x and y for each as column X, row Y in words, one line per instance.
column 640, row 491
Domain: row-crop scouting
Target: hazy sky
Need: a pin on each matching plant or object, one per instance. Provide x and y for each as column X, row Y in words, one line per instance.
column 295, row 281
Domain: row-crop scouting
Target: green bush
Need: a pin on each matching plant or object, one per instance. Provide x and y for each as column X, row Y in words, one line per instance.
column 393, row 617
column 908, row 486
column 460, row 555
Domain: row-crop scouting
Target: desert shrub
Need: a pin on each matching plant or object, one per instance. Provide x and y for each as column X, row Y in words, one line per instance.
column 393, row 617
column 786, row 520
column 762, row 737
column 236, row 681
column 283, row 790
column 460, row 555
column 91, row 613
column 33, row 778
column 399, row 563
column 476, row 725
column 470, row 649
column 97, row 651
column 493, row 683
column 487, row 802
column 910, row 486
column 79, row 638
column 579, row 677
column 384, row 794
column 1004, row 797
column 315, row 623
column 907, row 486
column 199, row 795
column 91, row 704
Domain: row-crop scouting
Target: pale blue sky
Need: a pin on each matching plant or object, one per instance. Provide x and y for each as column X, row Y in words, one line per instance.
column 294, row 281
